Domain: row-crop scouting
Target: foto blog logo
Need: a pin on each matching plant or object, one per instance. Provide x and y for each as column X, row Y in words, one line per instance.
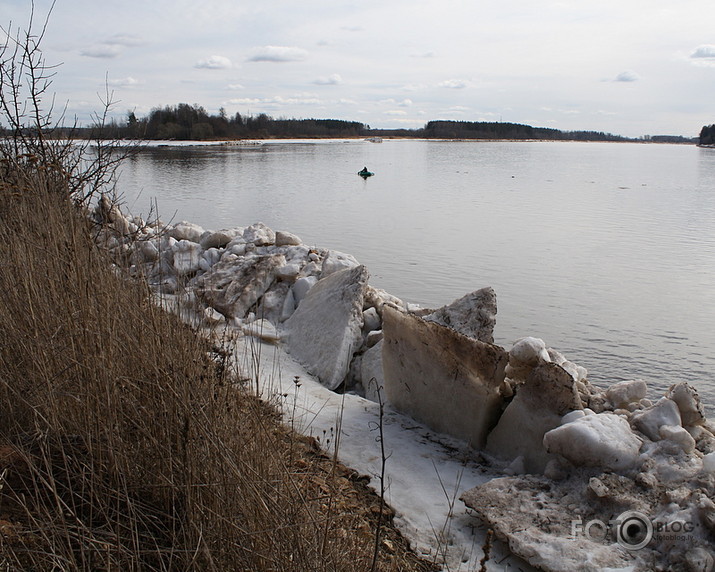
column 632, row 529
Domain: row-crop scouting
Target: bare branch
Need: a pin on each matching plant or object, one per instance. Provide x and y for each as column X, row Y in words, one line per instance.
column 81, row 167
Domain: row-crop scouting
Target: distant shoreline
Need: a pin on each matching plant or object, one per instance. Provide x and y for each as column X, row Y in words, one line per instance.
column 255, row 142
column 185, row 122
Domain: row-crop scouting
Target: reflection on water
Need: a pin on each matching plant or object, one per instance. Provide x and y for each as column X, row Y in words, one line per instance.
column 607, row 251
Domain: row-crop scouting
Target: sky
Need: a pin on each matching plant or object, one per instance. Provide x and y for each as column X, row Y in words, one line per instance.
column 629, row 67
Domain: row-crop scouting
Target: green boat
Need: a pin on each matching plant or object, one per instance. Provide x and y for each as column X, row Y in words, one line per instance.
column 365, row 173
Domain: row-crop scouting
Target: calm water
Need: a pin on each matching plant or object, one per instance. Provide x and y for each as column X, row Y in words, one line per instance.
column 606, row 251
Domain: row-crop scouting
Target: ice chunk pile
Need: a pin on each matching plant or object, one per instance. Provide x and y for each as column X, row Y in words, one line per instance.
column 267, row 284
column 571, row 450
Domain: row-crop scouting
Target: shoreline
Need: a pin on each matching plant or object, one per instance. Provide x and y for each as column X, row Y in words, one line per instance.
column 239, row 143
column 270, row 285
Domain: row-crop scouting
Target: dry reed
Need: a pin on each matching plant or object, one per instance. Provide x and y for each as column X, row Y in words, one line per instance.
column 124, row 442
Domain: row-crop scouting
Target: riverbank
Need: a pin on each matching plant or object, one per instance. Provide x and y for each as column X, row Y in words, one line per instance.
column 532, row 419
column 129, row 442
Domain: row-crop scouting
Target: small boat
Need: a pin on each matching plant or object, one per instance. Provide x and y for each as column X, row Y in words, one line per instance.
column 365, row 173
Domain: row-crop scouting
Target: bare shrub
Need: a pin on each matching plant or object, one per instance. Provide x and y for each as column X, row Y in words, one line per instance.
column 36, row 138
column 125, row 443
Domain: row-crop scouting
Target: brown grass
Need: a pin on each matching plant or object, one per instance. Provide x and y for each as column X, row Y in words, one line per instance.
column 124, row 442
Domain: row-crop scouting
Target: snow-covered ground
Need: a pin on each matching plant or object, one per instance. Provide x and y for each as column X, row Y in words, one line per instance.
column 425, row 472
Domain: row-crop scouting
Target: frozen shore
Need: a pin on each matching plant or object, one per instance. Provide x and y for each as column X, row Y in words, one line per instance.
column 568, row 475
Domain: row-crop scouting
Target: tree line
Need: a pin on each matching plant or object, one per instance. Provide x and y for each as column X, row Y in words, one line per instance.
column 494, row 130
column 192, row 122
column 707, row 135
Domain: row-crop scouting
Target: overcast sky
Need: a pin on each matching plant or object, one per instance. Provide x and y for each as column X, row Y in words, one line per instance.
column 630, row 67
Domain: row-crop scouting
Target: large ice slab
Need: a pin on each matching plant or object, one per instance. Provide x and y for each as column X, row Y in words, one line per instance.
column 473, row 315
column 371, row 374
column 536, row 518
column 441, row 377
column 547, row 395
column 325, row 330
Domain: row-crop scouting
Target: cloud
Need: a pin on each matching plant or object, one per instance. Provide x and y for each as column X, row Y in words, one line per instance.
column 395, row 112
column 127, row 40
column 113, row 46
column 278, row 101
column 706, row 51
column 454, row 110
column 278, row 54
column 703, row 55
column 106, row 51
column 627, row 77
column 424, row 55
column 414, row 87
column 408, row 121
column 403, row 103
column 333, row 79
column 235, row 86
column 214, row 63
column 246, row 101
column 454, row 84
column 124, row 82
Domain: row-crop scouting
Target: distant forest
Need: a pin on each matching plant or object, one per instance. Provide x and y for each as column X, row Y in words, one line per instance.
column 483, row 130
column 192, row 122
column 185, row 122
column 707, row 135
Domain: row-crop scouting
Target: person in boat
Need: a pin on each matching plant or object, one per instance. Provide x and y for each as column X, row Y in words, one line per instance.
column 364, row 171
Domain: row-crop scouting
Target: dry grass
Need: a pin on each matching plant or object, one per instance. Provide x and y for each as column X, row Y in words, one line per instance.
column 125, row 444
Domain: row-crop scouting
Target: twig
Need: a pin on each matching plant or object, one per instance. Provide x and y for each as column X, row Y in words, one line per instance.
column 383, row 462
column 487, row 548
